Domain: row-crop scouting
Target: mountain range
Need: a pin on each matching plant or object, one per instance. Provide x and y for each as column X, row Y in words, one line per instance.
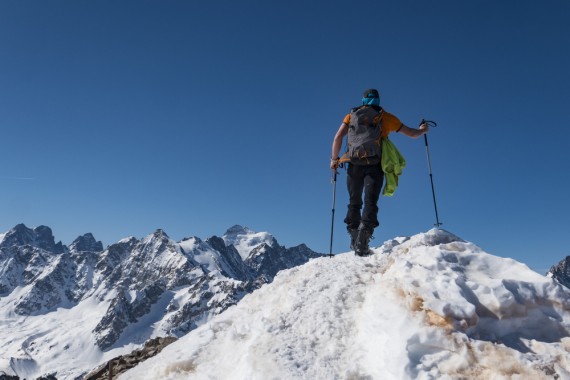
column 71, row 308
column 426, row 306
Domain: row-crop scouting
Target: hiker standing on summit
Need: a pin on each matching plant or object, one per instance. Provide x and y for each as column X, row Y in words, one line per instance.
column 366, row 126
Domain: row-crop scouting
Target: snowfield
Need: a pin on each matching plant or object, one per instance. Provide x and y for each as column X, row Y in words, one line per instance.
column 427, row 307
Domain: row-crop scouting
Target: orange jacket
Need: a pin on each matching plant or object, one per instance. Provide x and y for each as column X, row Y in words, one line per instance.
column 390, row 123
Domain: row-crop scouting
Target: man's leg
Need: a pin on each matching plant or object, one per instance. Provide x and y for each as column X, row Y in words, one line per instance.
column 373, row 179
column 355, row 185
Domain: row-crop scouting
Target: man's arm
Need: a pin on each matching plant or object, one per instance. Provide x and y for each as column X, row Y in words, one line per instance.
column 412, row 132
column 337, row 144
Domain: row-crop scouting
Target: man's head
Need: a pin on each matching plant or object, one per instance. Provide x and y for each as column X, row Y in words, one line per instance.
column 371, row 97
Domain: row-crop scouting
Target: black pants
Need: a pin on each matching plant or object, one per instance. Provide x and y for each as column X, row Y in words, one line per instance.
column 367, row 179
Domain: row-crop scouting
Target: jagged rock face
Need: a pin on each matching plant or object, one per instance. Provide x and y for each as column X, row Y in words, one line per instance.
column 215, row 274
column 19, row 266
column 561, row 272
column 52, row 274
column 124, row 311
column 24, row 253
column 86, row 243
column 120, row 364
column 267, row 260
column 208, row 296
column 111, row 258
column 229, row 254
column 160, row 286
column 155, row 259
column 47, row 291
column 40, row 237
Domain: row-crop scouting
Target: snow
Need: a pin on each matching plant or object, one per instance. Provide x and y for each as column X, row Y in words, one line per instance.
column 204, row 255
column 427, row 307
column 62, row 341
column 189, row 244
column 50, row 342
column 126, row 240
column 201, row 254
column 2, row 235
column 245, row 240
column 146, row 326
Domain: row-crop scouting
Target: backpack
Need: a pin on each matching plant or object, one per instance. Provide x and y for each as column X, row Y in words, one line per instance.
column 364, row 135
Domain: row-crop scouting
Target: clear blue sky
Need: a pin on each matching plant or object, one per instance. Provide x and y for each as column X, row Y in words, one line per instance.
column 120, row 117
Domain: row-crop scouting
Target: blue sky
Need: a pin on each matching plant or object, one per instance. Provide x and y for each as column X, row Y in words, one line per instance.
column 120, row 117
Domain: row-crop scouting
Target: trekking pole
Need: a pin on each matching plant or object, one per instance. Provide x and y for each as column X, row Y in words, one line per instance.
column 431, row 124
column 333, row 206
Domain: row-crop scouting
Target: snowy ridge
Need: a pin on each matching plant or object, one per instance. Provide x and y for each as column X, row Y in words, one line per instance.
column 427, row 307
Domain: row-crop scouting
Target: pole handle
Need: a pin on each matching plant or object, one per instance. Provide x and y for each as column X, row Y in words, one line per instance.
column 430, row 123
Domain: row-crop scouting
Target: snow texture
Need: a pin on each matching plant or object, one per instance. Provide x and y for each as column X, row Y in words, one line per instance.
column 431, row 306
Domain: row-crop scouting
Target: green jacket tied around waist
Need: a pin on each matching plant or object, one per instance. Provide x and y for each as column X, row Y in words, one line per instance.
column 392, row 165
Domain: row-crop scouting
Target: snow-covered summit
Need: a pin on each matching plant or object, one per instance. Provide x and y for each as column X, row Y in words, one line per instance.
column 430, row 306
column 246, row 240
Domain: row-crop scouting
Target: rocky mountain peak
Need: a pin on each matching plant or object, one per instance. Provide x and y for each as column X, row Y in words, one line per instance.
column 40, row 237
column 158, row 240
column 246, row 240
column 86, row 243
column 561, row 272
column 159, row 234
column 238, row 230
column 19, row 235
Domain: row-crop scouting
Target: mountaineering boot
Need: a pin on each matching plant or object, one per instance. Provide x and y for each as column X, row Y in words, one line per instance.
column 361, row 244
column 353, row 232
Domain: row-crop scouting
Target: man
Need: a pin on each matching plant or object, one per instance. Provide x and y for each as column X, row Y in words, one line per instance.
column 366, row 126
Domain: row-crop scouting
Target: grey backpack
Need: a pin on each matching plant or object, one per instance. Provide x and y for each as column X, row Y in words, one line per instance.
column 364, row 135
